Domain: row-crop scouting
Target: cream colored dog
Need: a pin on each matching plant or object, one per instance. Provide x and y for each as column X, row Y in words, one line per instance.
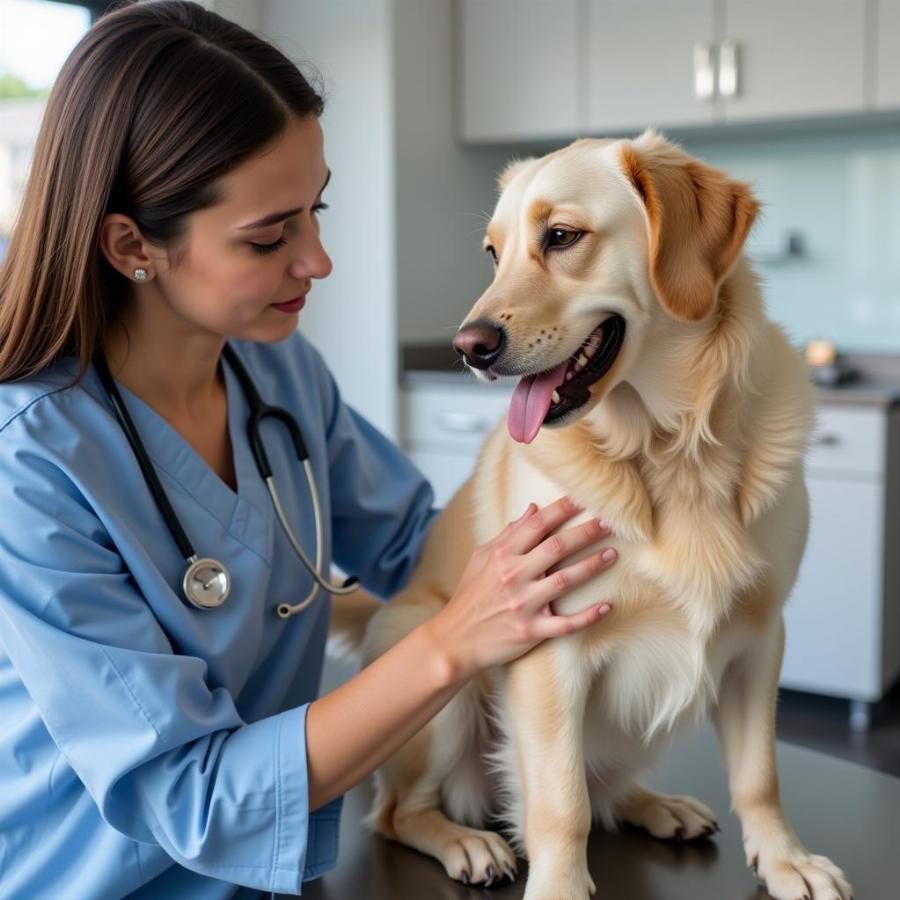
column 655, row 393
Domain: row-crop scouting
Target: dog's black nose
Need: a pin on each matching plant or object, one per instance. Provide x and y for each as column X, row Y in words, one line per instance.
column 480, row 342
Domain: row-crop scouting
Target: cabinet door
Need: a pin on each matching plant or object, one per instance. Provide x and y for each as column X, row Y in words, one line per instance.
column 445, row 470
column 887, row 74
column 517, row 69
column 641, row 63
column 833, row 617
column 795, row 57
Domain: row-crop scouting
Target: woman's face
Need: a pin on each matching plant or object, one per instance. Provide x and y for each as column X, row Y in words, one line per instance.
column 233, row 272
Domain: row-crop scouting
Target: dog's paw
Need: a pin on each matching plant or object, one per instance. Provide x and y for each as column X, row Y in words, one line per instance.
column 796, row 874
column 478, row 857
column 669, row 817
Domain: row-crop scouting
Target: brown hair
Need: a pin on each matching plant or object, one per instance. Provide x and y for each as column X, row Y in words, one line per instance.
column 155, row 103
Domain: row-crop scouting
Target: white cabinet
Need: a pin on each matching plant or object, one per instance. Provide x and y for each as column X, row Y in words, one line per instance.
column 537, row 68
column 444, row 423
column 649, row 62
column 843, row 616
column 887, row 74
column 793, row 58
column 517, row 69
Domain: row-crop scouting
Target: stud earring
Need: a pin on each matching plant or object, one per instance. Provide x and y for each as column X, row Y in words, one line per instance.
column 140, row 274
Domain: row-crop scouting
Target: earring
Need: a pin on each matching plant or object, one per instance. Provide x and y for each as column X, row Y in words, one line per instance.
column 140, row 274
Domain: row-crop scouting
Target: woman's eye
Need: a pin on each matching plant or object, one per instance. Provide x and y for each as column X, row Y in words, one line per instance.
column 562, row 237
column 269, row 248
column 493, row 252
column 319, row 207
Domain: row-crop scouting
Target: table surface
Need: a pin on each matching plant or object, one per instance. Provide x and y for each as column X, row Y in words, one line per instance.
column 840, row 809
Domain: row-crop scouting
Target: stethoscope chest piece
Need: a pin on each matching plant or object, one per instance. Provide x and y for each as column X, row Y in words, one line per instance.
column 206, row 583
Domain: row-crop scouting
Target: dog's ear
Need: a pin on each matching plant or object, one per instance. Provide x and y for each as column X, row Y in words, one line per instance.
column 699, row 219
column 512, row 169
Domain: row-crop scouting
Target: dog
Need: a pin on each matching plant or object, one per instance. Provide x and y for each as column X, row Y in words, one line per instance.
column 654, row 392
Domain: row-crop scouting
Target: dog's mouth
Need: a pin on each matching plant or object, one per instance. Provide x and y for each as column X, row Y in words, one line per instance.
column 549, row 396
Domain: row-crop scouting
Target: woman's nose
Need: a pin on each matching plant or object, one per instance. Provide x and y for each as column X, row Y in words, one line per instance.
column 311, row 260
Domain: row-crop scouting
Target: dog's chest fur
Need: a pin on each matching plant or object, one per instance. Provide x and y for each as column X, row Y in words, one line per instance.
column 658, row 657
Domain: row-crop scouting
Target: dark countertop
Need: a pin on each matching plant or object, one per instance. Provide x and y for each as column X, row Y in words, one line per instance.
column 878, row 383
column 839, row 809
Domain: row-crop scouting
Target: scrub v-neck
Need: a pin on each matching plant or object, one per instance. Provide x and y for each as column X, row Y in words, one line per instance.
column 247, row 512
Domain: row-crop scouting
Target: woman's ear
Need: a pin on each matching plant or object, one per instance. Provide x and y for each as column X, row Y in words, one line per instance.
column 699, row 220
column 122, row 244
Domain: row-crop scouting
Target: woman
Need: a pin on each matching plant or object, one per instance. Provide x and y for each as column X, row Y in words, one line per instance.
column 148, row 745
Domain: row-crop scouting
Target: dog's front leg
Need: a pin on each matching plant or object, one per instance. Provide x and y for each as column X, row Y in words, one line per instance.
column 546, row 699
column 745, row 720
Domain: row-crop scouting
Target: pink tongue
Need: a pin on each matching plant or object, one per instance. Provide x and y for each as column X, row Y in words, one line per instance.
column 530, row 402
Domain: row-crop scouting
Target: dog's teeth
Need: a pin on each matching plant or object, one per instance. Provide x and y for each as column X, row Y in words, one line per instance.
column 590, row 350
column 555, row 397
column 582, row 360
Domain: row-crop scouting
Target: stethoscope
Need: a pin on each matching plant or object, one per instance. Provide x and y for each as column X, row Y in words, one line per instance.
column 207, row 582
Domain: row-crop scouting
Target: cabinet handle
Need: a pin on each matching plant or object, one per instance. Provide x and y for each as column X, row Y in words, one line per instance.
column 728, row 69
column 704, row 72
column 826, row 440
column 462, row 422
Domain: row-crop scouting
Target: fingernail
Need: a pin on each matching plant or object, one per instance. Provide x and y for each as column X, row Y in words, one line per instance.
column 608, row 555
column 603, row 609
column 604, row 525
column 527, row 512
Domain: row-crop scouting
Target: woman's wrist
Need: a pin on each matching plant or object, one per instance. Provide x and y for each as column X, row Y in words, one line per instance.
column 451, row 666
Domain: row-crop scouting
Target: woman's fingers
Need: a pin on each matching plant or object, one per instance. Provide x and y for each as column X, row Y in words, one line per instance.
column 558, row 626
column 563, row 580
column 563, row 544
column 530, row 530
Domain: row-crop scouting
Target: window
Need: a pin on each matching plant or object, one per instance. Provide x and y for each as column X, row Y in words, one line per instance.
column 36, row 36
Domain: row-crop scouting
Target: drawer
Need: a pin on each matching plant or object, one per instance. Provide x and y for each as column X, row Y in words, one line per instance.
column 446, row 417
column 849, row 439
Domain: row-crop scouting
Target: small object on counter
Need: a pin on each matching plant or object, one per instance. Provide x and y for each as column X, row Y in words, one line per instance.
column 825, row 365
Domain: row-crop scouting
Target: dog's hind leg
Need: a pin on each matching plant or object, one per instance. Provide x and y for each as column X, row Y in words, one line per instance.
column 409, row 788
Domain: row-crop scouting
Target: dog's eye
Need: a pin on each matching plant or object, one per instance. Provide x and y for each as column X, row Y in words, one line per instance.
column 492, row 251
column 562, row 237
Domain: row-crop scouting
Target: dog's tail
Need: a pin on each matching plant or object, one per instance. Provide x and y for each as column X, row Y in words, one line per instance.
column 350, row 616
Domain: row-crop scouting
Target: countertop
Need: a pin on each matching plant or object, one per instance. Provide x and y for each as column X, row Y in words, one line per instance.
column 878, row 383
column 839, row 809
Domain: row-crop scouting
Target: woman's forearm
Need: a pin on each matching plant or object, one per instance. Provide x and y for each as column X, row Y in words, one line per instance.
column 353, row 729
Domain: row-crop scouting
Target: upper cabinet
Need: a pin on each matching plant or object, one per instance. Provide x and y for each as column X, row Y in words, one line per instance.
column 517, row 70
column 781, row 58
column 648, row 62
column 887, row 77
column 532, row 69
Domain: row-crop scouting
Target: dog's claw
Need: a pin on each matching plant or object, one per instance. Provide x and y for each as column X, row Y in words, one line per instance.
column 464, row 877
column 511, row 875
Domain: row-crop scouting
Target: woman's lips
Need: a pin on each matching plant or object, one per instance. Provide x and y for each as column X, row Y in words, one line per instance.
column 291, row 305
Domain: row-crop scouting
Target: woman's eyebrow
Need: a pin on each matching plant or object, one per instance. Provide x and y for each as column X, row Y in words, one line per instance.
column 272, row 218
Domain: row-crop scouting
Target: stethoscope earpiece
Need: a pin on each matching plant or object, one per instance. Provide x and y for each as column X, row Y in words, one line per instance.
column 207, row 583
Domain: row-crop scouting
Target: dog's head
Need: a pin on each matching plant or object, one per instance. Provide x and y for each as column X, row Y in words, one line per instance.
column 600, row 248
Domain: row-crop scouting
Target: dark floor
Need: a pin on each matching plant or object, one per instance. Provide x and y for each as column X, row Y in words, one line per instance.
column 821, row 723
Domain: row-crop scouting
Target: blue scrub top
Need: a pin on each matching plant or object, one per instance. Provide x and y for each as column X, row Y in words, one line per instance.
column 147, row 746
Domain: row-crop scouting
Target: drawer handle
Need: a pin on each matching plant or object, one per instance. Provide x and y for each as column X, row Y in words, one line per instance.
column 463, row 422
column 826, row 440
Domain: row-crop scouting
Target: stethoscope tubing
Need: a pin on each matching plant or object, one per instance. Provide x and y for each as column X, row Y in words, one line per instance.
column 258, row 411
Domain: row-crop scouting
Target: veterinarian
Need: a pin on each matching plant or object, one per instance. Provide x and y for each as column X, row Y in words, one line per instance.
column 164, row 534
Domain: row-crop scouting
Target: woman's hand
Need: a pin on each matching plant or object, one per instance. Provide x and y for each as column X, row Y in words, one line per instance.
column 501, row 608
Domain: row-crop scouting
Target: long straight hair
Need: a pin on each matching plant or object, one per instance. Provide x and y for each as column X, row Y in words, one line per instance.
column 156, row 102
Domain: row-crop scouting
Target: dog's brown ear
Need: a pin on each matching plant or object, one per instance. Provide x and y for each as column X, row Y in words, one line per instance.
column 699, row 219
